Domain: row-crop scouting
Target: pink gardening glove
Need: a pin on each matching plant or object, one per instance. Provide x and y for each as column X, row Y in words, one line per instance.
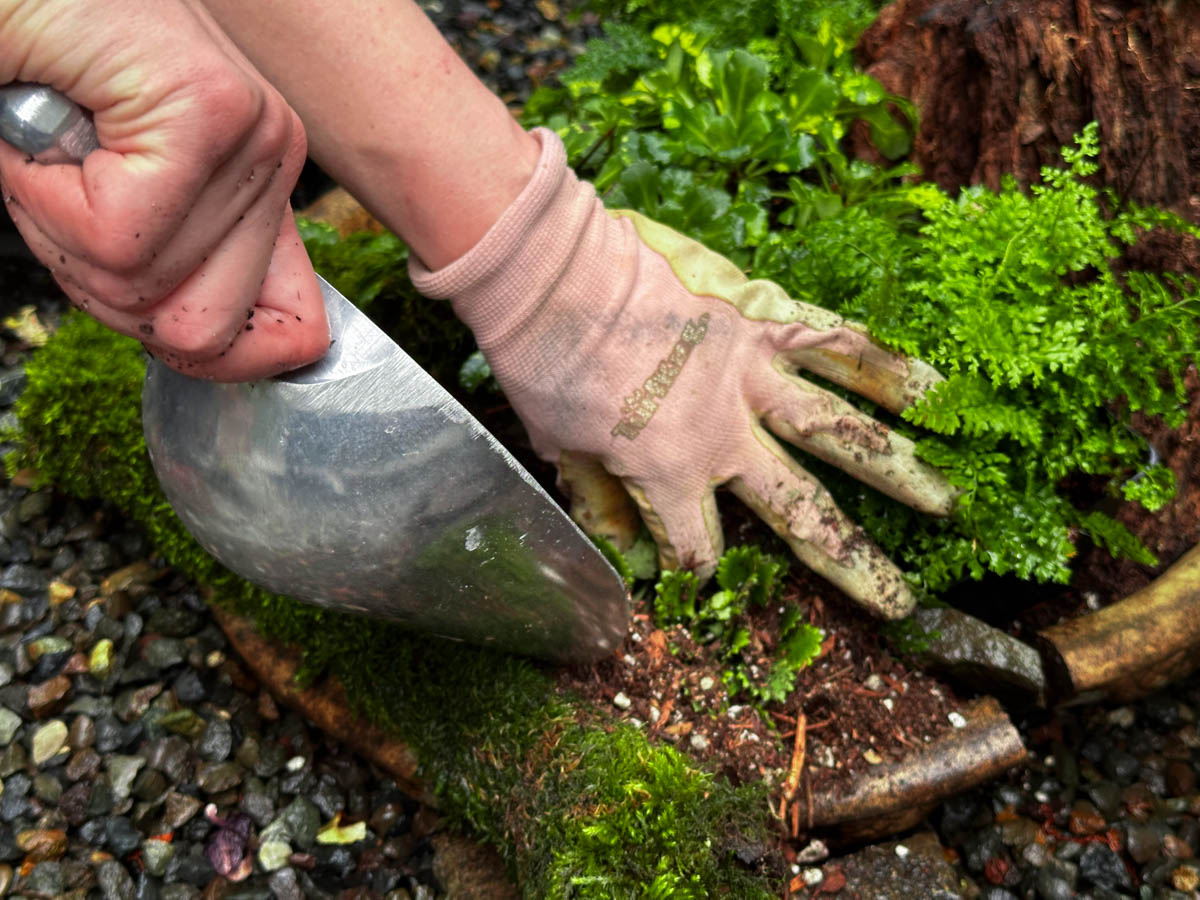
column 178, row 230
column 646, row 366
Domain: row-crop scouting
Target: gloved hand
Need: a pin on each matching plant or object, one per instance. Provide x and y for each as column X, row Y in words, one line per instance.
column 178, row 231
column 644, row 365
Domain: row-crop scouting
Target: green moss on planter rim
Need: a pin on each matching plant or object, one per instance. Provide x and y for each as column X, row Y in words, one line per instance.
column 577, row 805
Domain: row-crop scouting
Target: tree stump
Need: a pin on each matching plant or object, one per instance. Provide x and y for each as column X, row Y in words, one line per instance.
column 1001, row 86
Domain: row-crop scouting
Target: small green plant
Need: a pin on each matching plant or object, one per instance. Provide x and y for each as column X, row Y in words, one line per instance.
column 675, row 597
column 722, row 143
column 1018, row 297
column 745, row 578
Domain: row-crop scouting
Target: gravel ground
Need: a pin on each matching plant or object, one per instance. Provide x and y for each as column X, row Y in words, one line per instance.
column 138, row 756
column 1106, row 807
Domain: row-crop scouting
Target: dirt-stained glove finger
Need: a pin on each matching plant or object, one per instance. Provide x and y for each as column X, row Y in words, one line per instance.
column 893, row 381
column 600, row 504
column 688, row 534
column 823, row 424
column 801, row 511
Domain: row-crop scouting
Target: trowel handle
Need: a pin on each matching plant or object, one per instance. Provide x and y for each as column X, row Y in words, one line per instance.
column 46, row 124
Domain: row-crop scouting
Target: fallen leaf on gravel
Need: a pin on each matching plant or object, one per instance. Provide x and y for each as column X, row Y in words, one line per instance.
column 336, row 833
column 28, row 327
column 43, row 844
column 60, row 591
column 140, row 572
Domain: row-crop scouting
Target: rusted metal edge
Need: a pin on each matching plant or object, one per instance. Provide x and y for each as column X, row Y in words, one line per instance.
column 325, row 704
column 891, row 798
column 1133, row 647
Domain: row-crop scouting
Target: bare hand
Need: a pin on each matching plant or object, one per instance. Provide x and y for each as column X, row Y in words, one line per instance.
column 178, row 230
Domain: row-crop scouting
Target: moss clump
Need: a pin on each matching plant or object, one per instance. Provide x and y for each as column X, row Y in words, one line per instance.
column 371, row 270
column 577, row 807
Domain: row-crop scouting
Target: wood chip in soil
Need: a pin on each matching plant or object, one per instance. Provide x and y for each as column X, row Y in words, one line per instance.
column 860, row 705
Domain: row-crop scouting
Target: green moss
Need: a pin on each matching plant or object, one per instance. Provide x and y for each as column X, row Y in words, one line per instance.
column 577, row 807
column 371, row 270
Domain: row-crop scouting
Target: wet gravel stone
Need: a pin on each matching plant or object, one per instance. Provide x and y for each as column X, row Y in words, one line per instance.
column 1106, row 806
column 1100, row 866
column 158, row 776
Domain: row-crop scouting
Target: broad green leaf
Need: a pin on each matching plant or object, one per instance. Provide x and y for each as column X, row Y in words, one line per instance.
column 738, row 79
column 811, row 96
column 639, row 182
column 890, row 137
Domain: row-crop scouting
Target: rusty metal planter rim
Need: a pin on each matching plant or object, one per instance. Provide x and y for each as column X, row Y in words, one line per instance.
column 1133, row 647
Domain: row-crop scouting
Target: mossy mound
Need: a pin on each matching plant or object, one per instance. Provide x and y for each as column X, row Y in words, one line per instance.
column 578, row 806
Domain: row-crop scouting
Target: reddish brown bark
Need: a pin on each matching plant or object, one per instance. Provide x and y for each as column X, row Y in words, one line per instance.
column 1001, row 86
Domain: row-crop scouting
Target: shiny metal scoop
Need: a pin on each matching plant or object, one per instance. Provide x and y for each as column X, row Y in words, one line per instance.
column 359, row 484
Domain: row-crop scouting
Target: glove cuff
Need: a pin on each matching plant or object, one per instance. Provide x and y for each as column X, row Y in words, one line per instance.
column 498, row 283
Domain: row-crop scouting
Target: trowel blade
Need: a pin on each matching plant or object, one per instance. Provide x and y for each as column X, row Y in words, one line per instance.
column 359, row 483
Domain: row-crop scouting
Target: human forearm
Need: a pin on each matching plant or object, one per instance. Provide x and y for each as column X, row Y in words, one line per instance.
column 392, row 114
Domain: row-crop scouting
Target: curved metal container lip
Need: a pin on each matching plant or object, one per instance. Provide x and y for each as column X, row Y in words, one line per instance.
column 359, row 484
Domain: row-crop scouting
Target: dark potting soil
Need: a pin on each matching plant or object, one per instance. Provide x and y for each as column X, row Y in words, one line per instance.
column 1170, row 532
column 859, row 704
column 856, row 697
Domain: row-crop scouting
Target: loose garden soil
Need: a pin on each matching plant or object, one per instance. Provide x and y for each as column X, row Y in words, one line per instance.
column 859, row 704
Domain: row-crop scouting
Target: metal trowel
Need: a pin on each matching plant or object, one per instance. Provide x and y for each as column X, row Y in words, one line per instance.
column 358, row 483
